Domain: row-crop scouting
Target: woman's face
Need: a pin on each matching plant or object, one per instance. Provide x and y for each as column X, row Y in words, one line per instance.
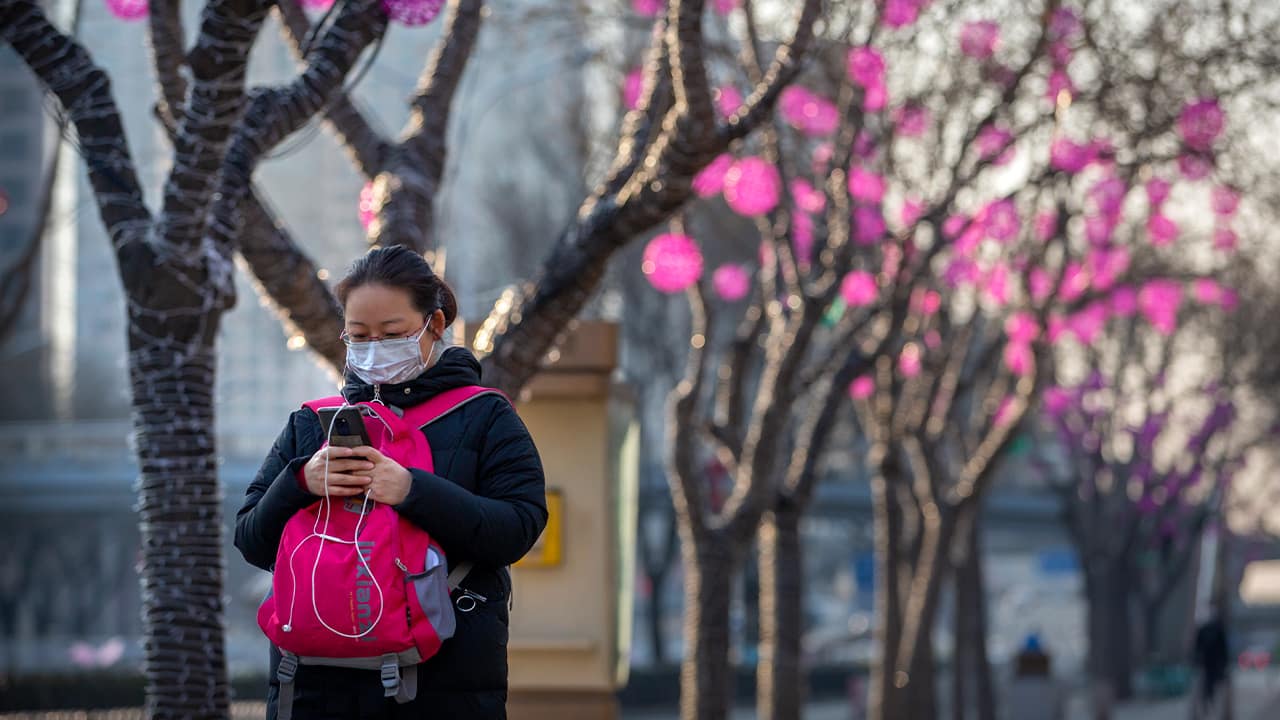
column 378, row 312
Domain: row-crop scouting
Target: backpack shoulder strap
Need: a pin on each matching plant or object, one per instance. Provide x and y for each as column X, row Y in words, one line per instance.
column 424, row 414
column 331, row 401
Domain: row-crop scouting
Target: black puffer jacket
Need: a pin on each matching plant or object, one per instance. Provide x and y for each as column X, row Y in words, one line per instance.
column 486, row 505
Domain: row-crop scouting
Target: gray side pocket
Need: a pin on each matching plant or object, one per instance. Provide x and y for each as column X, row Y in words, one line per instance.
column 432, row 589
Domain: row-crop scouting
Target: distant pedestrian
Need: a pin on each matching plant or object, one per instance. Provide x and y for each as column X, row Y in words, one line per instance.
column 1210, row 657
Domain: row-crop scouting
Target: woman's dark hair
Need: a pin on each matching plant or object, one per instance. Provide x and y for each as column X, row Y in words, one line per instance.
column 401, row 268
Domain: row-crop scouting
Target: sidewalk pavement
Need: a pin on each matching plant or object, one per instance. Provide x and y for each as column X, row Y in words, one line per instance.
column 1257, row 697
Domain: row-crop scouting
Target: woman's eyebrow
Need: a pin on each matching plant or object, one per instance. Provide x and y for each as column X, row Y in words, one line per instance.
column 393, row 321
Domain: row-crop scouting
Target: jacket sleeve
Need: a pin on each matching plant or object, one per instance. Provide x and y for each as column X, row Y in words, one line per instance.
column 502, row 520
column 274, row 495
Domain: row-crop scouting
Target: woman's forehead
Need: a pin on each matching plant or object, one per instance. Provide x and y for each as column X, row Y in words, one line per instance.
column 379, row 305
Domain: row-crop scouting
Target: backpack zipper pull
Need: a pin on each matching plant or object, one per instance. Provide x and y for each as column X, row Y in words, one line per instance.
column 377, row 394
column 400, row 565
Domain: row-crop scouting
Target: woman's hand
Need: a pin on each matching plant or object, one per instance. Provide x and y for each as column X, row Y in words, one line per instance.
column 349, row 471
column 389, row 480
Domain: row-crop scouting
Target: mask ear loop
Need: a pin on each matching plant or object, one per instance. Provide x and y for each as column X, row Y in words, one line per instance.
column 323, row 535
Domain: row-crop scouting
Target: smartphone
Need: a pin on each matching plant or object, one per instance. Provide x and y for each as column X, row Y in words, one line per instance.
column 347, row 427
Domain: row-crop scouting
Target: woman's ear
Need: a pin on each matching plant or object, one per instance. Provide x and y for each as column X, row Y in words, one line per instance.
column 436, row 324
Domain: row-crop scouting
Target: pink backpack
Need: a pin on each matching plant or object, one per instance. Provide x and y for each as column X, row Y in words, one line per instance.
column 357, row 585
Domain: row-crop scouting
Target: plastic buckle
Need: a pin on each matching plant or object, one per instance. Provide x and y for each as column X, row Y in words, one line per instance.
column 390, row 675
column 469, row 601
column 288, row 668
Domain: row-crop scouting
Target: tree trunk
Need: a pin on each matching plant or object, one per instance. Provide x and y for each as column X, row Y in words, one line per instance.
column 181, row 522
column 706, row 675
column 1223, row 581
column 1110, row 635
column 887, row 512
column 915, row 682
column 971, row 661
column 780, row 681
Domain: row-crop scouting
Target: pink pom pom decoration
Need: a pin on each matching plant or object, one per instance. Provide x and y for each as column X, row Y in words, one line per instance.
column 1161, row 230
column 412, row 12
column 1200, row 124
column 731, row 282
column 724, row 7
column 752, row 187
column 911, row 120
column 978, row 39
column 901, row 13
column 1225, row 201
column 1068, row 156
column 632, row 87
column 869, row 225
column 728, row 100
column 1159, row 301
column 647, row 8
column 672, row 262
column 1157, row 192
column 866, row 66
column 912, row 211
column 128, row 10
column 710, row 180
column 807, row 198
column 1194, row 166
column 909, row 361
column 859, row 289
column 1224, row 238
column 862, row 387
column 367, row 211
column 865, row 186
column 808, row 112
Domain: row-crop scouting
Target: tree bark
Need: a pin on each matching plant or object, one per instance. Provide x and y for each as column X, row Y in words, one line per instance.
column 706, row 676
column 971, row 666
column 780, row 686
column 888, row 518
column 1110, row 635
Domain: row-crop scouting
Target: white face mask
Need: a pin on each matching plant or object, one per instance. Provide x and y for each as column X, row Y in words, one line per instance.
column 387, row 362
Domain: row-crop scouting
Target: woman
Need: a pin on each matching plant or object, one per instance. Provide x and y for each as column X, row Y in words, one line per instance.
column 485, row 504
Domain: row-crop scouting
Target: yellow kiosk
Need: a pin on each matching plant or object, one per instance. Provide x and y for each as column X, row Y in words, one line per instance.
column 571, row 624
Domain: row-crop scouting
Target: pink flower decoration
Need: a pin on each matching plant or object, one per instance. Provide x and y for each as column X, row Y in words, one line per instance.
column 1107, row 265
column 728, row 100
column 912, row 211
column 954, row 225
column 1040, row 283
column 1021, row 327
column 808, row 112
column 865, row 186
column 892, row 261
column 859, row 289
column 959, row 272
column 1089, row 323
column 901, row 13
column 1224, row 238
column 412, row 12
column 992, row 142
column 1162, row 230
column 864, row 146
column 1108, row 195
column 926, row 302
column 911, row 120
column 1157, row 191
column 631, row 89
column 869, row 225
column 1019, row 358
column 821, row 158
column 978, row 38
column 807, row 197
column 672, row 262
column 648, row 8
column 866, row 66
column 752, row 187
column 1000, row 219
column 1057, row 328
column 1060, row 53
column 1056, row 401
column 1060, row 81
column 1068, row 156
column 1200, row 123
column 1225, row 201
column 731, row 282
column 724, row 7
column 933, row 339
column 1124, row 301
column 1230, row 299
column 802, row 237
column 1064, row 24
column 710, row 181
column 1075, row 281
column 1207, row 291
column 909, row 361
column 128, row 10
column 1046, row 224
column 876, row 98
column 367, row 211
column 1159, row 301
column 1099, row 228
column 1194, row 166
column 862, row 387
